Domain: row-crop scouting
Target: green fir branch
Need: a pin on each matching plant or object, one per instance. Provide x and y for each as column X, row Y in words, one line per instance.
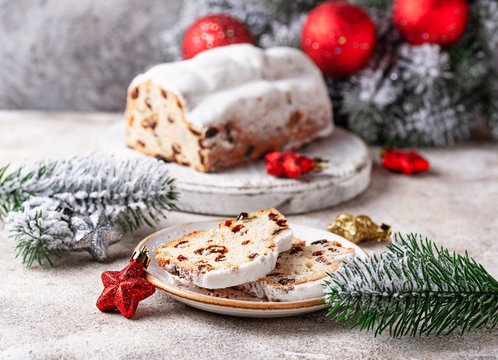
column 414, row 288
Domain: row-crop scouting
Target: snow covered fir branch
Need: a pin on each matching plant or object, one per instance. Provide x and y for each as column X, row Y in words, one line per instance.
column 408, row 95
column 41, row 231
column 414, row 288
column 131, row 193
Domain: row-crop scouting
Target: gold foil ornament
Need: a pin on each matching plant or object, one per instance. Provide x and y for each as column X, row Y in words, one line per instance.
column 359, row 228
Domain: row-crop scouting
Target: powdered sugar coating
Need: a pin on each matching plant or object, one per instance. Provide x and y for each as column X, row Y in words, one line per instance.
column 241, row 80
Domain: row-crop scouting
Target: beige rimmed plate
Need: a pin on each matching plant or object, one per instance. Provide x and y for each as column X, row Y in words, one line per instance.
column 231, row 302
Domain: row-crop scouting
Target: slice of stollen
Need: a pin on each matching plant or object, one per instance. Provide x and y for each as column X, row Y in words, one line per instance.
column 300, row 272
column 239, row 250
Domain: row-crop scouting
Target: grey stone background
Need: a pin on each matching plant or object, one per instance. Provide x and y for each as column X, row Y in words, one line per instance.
column 78, row 54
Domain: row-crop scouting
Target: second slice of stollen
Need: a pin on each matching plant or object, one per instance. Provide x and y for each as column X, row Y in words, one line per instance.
column 240, row 250
column 300, row 272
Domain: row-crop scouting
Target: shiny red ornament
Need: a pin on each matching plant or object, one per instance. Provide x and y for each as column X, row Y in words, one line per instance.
column 431, row 21
column 339, row 37
column 406, row 162
column 124, row 289
column 212, row 31
column 288, row 164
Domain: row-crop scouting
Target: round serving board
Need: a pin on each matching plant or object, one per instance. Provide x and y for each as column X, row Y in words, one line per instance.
column 249, row 187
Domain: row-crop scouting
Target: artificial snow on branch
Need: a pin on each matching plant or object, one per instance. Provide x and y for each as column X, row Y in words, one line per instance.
column 40, row 231
column 414, row 288
column 130, row 192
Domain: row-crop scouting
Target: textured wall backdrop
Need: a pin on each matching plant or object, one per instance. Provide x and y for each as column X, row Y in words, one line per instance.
column 77, row 54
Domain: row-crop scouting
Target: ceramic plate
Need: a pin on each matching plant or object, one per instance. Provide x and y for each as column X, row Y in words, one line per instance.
column 231, row 301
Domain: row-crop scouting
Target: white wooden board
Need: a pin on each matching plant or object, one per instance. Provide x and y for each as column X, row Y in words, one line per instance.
column 248, row 187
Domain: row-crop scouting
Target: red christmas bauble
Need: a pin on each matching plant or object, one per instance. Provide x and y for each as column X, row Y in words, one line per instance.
column 213, row 31
column 431, row 21
column 339, row 37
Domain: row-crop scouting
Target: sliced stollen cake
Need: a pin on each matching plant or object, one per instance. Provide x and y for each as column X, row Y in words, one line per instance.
column 240, row 250
column 299, row 272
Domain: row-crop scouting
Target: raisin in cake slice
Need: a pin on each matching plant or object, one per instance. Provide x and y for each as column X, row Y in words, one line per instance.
column 238, row 251
column 299, row 272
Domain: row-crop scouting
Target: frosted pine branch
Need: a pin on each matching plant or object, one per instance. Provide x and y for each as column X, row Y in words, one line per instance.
column 284, row 35
column 423, row 66
column 488, row 14
column 492, row 120
column 40, row 231
column 132, row 192
column 414, row 288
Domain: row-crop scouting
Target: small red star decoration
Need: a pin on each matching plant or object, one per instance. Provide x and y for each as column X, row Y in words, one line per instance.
column 406, row 162
column 124, row 289
column 290, row 164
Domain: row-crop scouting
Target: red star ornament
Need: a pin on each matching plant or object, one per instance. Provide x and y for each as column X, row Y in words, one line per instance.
column 124, row 289
column 406, row 162
column 291, row 164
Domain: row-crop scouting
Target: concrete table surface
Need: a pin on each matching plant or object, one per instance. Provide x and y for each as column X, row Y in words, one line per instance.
column 51, row 312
